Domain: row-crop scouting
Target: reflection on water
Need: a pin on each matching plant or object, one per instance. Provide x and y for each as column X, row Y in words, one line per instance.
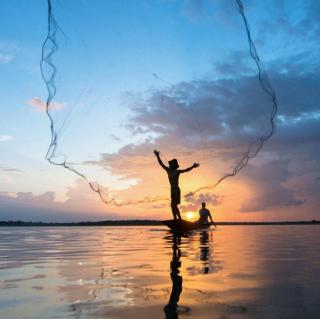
column 171, row 309
column 117, row 272
column 205, row 251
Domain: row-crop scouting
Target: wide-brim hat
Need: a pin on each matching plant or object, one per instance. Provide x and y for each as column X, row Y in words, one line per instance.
column 173, row 163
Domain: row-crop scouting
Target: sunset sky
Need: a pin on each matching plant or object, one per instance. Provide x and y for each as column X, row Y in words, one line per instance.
column 134, row 76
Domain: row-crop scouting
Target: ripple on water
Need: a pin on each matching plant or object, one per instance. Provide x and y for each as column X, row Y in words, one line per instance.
column 115, row 272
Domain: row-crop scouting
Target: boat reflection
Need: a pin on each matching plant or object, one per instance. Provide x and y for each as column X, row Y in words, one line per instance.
column 172, row 309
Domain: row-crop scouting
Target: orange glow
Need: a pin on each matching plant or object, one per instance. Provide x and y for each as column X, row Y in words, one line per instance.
column 191, row 216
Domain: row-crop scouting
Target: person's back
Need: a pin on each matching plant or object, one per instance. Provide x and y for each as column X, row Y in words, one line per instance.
column 204, row 214
column 173, row 175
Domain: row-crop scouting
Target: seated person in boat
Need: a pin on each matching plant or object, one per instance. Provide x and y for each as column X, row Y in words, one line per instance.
column 204, row 215
column 173, row 175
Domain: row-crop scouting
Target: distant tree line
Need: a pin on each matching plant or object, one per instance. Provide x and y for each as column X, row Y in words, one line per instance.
column 141, row 222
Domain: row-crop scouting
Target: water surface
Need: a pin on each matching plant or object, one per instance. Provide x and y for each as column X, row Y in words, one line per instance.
column 147, row 272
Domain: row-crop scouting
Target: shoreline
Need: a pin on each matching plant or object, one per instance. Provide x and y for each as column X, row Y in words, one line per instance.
column 143, row 223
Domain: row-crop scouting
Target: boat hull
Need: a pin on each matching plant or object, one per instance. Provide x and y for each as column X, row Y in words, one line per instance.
column 184, row 225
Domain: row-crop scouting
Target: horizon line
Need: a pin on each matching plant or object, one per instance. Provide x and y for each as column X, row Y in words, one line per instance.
column 147, row 222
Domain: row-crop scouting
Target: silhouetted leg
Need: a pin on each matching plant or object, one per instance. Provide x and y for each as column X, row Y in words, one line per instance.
column 173, row 210
column 178, row 212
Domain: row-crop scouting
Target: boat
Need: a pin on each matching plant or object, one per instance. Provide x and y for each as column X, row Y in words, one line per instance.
column 180, row 225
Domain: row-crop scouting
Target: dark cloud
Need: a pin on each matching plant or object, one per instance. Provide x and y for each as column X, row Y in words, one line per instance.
column 238, row 63
column 269, row 189
column 231, row 113
column 79, row 206
column 26, row 206
column 283, row 24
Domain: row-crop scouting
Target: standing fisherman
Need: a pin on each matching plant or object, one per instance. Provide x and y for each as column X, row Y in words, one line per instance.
column 173, row 175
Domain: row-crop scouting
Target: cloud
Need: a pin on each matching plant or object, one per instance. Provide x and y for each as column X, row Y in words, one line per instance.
column 269, row 189
column 227, row 113
column 37, row 104
column 212, row 120
column 115, row 138
column 192, row 9
column 4, row 138
column 238, row 62
column 287, row 26
column 81, row 204
column 230, row 112
column 8, row 169
column 5, row 58
column 194, row 202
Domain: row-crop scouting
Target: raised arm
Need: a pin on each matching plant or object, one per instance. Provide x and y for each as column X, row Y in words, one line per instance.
column 157, row 153
column 189, row 168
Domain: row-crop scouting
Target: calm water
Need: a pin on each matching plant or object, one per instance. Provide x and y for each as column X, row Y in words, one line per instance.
column 146, row 273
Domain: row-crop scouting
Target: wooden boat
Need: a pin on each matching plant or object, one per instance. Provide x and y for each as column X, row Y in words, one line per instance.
column 181, row 225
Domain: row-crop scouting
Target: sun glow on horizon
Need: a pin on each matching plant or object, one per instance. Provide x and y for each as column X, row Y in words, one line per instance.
column 191, row 216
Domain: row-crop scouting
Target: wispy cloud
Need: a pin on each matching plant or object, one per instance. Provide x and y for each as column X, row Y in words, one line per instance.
column 192, row 9
column 9, row 169
column 115, row 137
column 4, row 138
column 38, row 105
column 8, row 194
column 5, row 58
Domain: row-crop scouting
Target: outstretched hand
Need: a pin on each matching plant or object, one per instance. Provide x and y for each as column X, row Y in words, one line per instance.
column 196, row 165
column 157, row 153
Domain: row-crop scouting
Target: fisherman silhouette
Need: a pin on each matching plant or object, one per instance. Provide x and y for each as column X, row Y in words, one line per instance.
column 204, row 214
column 173, row 175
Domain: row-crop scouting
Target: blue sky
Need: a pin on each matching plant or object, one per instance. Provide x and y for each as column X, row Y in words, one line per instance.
column 108, row 53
